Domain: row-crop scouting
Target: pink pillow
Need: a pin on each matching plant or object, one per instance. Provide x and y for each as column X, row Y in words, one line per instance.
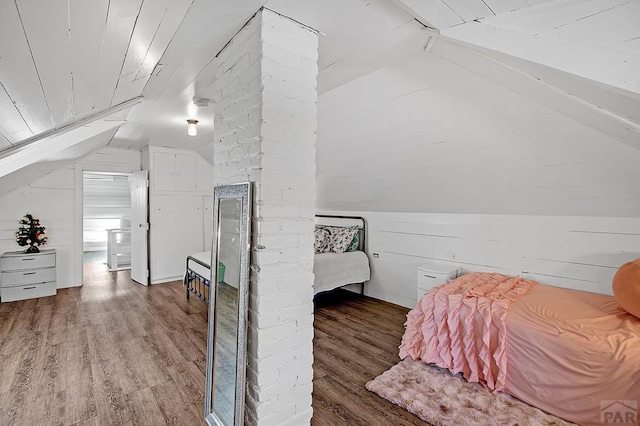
column 626, row 287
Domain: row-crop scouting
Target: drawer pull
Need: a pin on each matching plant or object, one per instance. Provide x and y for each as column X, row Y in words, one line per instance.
column 28, row 273
column 29, row 288
column 28, row 258
column 430, row 276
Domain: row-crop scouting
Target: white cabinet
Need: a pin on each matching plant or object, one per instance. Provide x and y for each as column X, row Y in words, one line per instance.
column 432, row 275
column 180, row 194
column 178, row 234
column 25, row 276
column 173, row 172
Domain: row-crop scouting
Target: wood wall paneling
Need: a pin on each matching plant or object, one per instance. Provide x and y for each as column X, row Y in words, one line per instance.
column 574, row 252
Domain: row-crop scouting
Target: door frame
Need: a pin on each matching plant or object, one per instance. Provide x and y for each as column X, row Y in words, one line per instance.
column 78, row 251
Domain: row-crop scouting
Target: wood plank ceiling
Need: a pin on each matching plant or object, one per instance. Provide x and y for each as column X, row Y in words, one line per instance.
column 65, row 60
column 472, row 101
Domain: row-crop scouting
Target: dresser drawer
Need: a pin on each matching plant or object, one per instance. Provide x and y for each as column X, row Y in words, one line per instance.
column 10, row 294
column 34, row 276
column 27, row 261
column 430, row 276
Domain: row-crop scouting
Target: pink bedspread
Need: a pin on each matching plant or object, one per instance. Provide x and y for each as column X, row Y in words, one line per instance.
column 461, row 326
column 567, row 352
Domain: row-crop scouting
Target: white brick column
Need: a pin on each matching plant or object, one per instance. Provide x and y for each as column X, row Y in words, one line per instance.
column 265, row 132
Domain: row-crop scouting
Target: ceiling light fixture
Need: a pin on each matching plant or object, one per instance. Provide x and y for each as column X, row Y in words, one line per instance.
column 192, row 127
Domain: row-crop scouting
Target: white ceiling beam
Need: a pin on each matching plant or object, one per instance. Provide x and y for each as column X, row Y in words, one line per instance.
column 43, row 146
column 431, row 13
column 34, row 171
column 616, row 69
column 514, row 79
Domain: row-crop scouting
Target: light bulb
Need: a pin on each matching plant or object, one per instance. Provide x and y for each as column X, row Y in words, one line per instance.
column 192, row 127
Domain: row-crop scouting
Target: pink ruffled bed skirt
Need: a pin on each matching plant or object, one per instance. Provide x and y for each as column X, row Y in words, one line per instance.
column 461, row 326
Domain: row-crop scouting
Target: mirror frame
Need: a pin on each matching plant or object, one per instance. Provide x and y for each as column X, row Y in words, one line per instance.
column 243, row 192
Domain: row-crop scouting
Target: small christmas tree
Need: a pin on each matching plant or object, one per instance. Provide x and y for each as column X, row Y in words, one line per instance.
column 31, row 233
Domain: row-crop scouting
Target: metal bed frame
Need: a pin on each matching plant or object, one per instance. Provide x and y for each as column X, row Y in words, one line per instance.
column 362, row 233
column 196, row 283
column 199, row 286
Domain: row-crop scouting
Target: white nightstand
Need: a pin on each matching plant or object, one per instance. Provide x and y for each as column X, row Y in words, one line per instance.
column 432, row 275
column 25, row 276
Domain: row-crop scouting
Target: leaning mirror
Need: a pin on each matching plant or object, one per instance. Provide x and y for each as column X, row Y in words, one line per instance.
column 227, row 341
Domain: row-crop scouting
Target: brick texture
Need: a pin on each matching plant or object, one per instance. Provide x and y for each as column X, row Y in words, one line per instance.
column 266, row 119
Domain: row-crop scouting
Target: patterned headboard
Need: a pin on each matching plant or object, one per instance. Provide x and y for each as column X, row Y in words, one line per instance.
column 338, row 220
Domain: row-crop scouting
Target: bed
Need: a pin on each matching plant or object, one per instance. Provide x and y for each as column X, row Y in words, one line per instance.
column 332, row 270
column 567, row 352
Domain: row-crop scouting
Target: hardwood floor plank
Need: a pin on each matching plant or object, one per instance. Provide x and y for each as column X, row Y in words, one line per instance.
column 117, row 353
column 109, row 397
column 177, row 410
column 144, row 409
column 80, row 389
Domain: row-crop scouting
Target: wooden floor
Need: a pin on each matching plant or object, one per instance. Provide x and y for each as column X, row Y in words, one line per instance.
column 114, row 352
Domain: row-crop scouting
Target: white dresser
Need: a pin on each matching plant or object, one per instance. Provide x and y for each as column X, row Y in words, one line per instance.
column 434, row 274
column 25, row 276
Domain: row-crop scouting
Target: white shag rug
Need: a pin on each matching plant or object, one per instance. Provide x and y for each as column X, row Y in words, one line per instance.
column 443, row 399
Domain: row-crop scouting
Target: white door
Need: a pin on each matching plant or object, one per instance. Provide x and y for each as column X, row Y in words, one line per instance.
column 140, row 227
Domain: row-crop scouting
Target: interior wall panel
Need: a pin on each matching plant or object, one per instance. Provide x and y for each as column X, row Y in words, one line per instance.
column 573, row 252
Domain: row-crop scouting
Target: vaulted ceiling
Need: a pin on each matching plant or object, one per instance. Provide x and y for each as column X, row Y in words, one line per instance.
column 437, row 84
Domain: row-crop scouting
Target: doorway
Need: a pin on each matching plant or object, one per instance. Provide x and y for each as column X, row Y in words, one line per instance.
column 106, row 221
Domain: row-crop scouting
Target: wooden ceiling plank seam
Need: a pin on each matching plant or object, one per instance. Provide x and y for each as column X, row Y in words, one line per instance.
column 124, row 57
column 4, row 141
column 180, row 67
column 147, row 66
column 603, row 28
column 13, row 103
column 86, row 39
column 166, row 29
column 468, row 10
column 146, row 26
column 489, row 7
column 120, row 22
column 35, row 66
column 146, row 53
column 73, row 90
column 45, row 25
column 20, row 80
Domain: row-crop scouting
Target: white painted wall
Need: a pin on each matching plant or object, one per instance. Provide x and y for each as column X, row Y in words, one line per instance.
column 54, row 200
column 450, row 131
column 570, row 251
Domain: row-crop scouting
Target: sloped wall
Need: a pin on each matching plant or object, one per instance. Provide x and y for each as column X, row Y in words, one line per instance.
column 425, row 134
column 455, row 158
